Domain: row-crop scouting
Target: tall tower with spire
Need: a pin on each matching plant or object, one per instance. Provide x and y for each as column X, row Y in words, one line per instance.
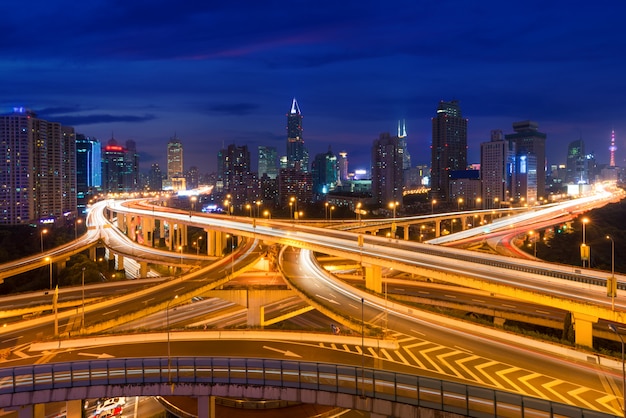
column 612, row 149
column 406, row 157
column 297, row 154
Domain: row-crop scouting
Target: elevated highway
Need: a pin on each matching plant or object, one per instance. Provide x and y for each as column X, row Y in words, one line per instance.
column 580, row 291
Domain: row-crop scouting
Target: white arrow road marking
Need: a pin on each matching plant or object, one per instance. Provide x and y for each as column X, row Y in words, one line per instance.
column 286, row 353
column 103, row 355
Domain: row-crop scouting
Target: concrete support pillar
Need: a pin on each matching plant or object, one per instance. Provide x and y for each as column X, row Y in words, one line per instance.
column 32, row 411
column 220, row 242
column 121, row 222
column 206, row 406
column 147, row 231
column 583, row 325
column 143, row 269
column 210, row 242
column 161, row 229
column 74, row 408
column 92, row 253
column 406, row 232
column 437, row 228
column 183, row 235
column 373, row 278
column 463, row 223
column 120, row 262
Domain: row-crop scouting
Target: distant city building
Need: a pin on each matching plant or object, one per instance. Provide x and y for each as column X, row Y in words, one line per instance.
column 155, row 178
column 297, row 154
column 387, row 160
column 528, row 140
column 175, row 165
column 192, row 177
column 406, row 157
column 37, row 169
column 342, row 166
column 576, row 163
column 293, row 182
column 465, row 189
column 324, row 174
column 88, row 170
column 236, row 174
column 449, row 147
column 119, row 167
column 525, row 190
column 497, row 163
column 268, row 161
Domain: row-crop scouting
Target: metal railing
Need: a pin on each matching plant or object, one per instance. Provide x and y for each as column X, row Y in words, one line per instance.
column 363, row 382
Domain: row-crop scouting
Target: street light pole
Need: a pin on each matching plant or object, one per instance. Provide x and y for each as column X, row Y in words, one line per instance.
column 43, row 232
column 83, row 291
column 614, row 329
column 612, row 290
column 362, row 348
column 78, row 221
column 584, row 222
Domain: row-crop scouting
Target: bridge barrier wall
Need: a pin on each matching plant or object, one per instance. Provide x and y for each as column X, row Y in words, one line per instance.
column 375, row 391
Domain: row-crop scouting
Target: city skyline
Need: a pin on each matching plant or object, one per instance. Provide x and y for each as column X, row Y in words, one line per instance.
column 227, row 74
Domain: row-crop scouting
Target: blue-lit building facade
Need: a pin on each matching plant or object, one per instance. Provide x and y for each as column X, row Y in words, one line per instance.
column 88, row 170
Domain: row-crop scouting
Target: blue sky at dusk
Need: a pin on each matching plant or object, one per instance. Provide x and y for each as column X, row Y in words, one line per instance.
column 216, row 73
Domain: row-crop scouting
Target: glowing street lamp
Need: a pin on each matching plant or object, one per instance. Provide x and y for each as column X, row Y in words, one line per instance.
column 459, row 203
column 267, row 214
column 326, row 211
column 330, row 212
column 49, row 260
column 249, row 207
column 41, row 234
column 358, row 212
column 258, row 207
column 531, row 236
column 393, row 205
column 78, row 221
column 432, row 206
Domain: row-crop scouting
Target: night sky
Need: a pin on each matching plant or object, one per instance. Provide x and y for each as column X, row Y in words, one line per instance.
column 222, row 72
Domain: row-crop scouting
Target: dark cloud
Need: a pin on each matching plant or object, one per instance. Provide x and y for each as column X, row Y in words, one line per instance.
column 80, row 120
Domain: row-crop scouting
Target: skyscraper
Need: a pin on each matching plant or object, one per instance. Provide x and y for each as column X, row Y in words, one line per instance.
column 175, row 166
column 449, row 147
column 297, row 154
column 324, row 173
column 406, row 157
column 37, row 169
column 88, row 169
column 268, row 161
column 528, row 140
column 497, row 162
column 387, row 170
column 342, row 166
column 119, row 167
column 238, row 181
column 575, row 165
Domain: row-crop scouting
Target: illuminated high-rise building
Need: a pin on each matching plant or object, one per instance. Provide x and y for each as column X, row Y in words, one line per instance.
column 342, row 166
column 497, row 169
column 448, row 149
column 387, row 179
column 612, row 149
column 528, row 140
column 297, row 154
column 406, row 157
column 268, row 161
column 175, row 167
column 119, row 167
column 88, row 169
column 37, row 169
